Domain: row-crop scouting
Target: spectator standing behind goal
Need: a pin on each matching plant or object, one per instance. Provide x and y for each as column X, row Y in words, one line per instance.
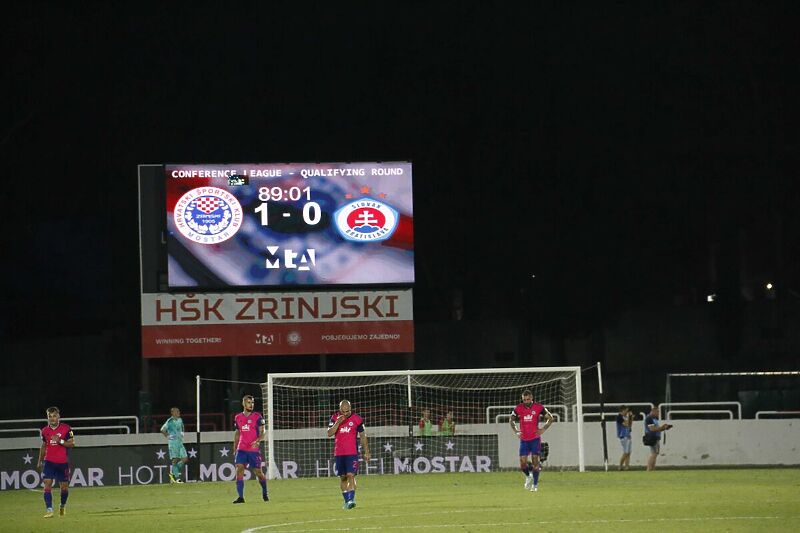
column 348, row 428
column 57, row 438
column 447, row 426
column 624, row 425
column 425, row 424
column 527, row 415
column 247, row 442
column 173, row 430
column 653, row 429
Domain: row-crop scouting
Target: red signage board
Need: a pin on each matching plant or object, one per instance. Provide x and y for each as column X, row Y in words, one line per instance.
column 214, row 325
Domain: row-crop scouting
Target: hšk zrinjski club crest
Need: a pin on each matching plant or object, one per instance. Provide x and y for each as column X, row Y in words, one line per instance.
column 208, row 215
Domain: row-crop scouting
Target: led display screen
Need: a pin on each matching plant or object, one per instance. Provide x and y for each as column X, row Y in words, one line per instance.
column 289, row 224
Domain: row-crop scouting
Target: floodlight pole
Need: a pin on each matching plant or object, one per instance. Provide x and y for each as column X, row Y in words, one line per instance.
column 602, row 416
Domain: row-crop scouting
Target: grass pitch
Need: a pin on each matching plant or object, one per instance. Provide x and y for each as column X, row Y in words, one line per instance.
column 666, row 500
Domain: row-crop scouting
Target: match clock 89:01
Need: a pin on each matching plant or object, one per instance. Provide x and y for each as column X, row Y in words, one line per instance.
column 312, row 213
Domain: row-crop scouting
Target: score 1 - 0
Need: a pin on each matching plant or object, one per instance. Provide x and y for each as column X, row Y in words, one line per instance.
column 312, row 213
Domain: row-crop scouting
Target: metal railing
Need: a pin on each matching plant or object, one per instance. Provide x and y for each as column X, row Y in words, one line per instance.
column 557, row 410
column 493, row 414
column 27, row 422
column 209, row 422
column 81, row 429
column 503, row 418
column 777, row 414
column 698, row 412
column 21, row 430
column 612, row 409
column 612, row 415
column 665, row 408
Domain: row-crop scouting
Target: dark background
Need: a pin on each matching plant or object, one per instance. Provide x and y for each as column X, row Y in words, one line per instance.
column 635, row 159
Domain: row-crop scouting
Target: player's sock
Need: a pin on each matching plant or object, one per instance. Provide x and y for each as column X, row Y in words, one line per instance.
column 64, row 496
column 240, row 486
column 349, row 499
column 176, row 471
column 48, row 499
column 263, row 483
column 535, row 477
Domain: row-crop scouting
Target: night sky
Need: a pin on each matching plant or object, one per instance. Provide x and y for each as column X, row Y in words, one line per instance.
column 615, row 153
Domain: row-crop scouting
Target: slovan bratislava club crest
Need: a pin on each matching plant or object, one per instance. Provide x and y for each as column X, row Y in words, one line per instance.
column 366, row 220
column 208, row 215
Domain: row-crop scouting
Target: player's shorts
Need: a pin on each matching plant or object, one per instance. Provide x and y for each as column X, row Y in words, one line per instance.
column 532, row 447
column 626, row 444
column 345, row 464
column 176, row 450
column 56, row 471
column 656, row 448
column 248, row 459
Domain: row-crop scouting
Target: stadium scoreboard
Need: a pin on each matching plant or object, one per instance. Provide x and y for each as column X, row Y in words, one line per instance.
column 294, row 224
column 241, row 259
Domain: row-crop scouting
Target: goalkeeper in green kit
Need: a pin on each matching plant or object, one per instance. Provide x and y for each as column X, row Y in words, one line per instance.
column 173, row 430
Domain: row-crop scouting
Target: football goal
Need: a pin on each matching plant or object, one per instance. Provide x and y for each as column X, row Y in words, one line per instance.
column 420, row 421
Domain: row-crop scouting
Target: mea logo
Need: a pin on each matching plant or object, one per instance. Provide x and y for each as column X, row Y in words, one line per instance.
column 264, row 339
column 208, row 215
column 304, row 264
column 366, row 220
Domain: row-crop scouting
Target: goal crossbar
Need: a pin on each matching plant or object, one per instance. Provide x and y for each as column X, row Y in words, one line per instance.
column 424, row 372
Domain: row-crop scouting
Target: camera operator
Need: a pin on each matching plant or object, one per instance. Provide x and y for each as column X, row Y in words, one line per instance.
column 624, row 424
column 652, row 436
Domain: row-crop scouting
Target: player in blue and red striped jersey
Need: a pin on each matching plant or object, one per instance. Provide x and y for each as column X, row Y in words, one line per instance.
column 348, row 427
column 57, row 438
column 527, row 415
column 247, row 442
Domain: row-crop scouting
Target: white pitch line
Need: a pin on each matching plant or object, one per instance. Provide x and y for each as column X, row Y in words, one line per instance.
column 305, row 522
column 529, row 523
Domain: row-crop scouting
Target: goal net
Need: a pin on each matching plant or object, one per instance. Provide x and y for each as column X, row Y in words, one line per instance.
column 742, row 394
column 420, row 421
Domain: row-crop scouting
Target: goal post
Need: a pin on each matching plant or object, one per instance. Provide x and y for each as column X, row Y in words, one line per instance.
column 420, row 421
